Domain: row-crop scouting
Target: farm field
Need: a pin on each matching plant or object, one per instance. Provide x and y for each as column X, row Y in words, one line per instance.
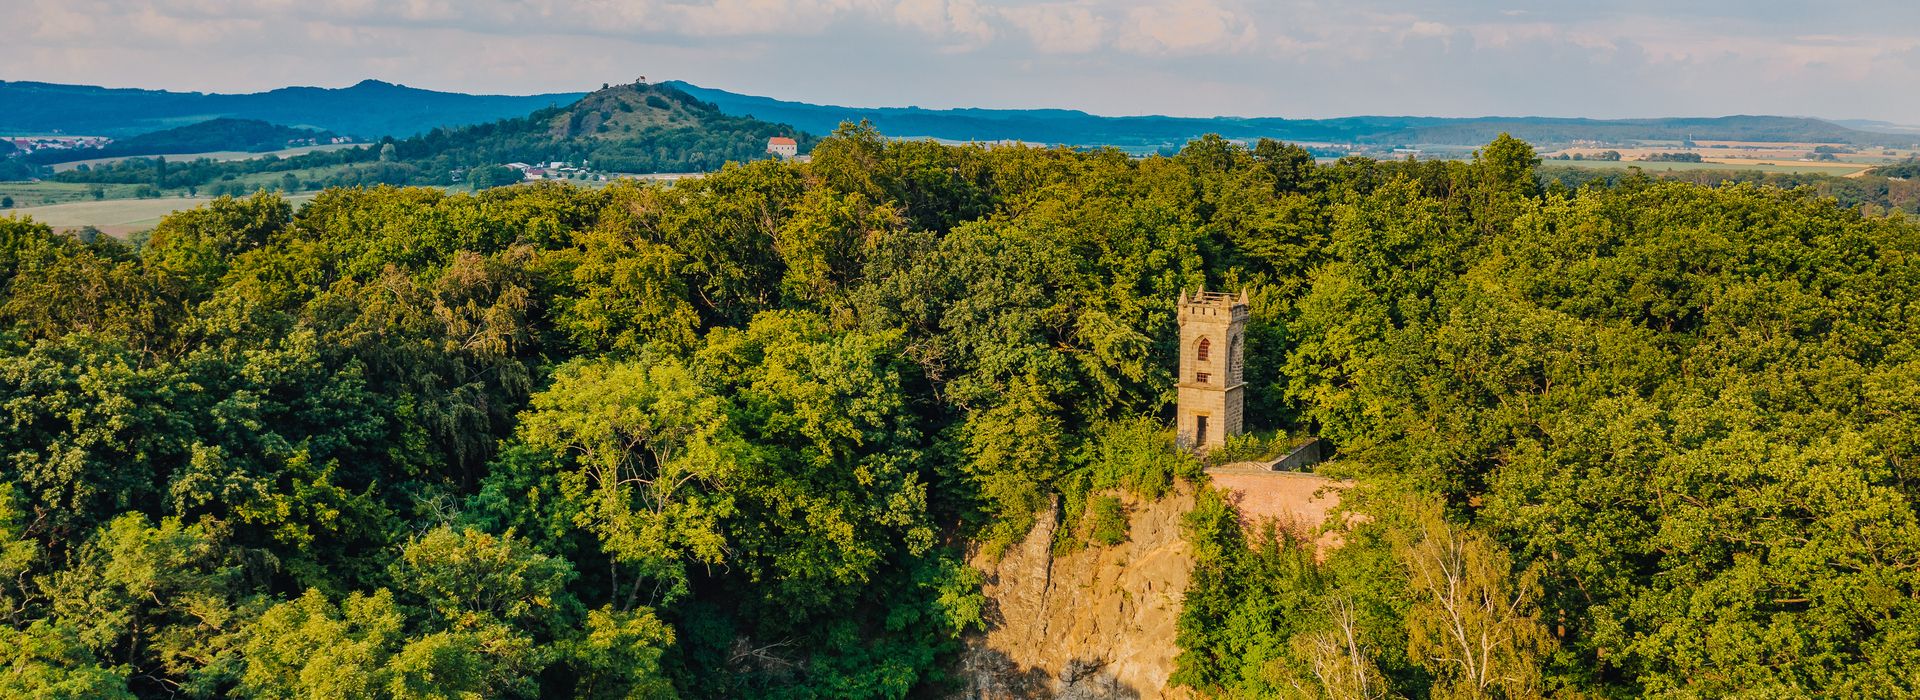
column 1781, row 166
column 1743, row 155
column 44, row 193
column 118, row 217
column 215, row 155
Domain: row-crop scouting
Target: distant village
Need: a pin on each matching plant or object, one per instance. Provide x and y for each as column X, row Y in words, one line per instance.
column 779, row 146
column 332, row 140
column 556, row 170
column 30, row 144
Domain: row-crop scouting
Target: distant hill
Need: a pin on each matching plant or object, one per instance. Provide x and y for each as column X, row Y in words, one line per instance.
column 619, row 112
column 1080, row 128
column 636, row 128
column 368, row 110
column 223, row 134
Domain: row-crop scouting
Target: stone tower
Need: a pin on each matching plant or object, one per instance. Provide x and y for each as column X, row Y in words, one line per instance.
column 1213, row 329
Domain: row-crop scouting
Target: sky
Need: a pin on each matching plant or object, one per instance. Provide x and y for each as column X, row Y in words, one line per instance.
column 1288, row 58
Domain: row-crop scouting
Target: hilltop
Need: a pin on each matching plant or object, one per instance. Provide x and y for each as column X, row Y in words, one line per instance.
column 635, row 128
column 369, row 109
column 617, row 112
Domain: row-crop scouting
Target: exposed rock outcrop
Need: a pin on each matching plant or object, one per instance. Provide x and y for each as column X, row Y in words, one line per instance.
column 1096, row 623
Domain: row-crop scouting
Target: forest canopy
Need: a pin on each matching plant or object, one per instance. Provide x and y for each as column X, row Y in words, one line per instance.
column 733, row 437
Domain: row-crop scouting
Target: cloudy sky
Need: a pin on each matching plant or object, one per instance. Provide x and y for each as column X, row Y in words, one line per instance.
column 1295, row 58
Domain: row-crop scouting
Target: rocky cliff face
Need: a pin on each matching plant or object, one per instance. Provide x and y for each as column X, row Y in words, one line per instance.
column 1100, row 622
column 1097, row 623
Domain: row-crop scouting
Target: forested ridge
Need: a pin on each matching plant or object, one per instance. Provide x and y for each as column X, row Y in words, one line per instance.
column 1074, row 127
column 367, row 110
column 732, row 437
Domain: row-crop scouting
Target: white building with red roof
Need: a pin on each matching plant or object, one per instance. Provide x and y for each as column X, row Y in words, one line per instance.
column 783, row 147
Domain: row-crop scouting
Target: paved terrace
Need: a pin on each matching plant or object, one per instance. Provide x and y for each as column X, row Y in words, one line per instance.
column 1298, row 501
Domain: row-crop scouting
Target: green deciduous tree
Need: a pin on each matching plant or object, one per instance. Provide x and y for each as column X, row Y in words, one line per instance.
column 647, row 453
column 167, row 600
column 48, row 661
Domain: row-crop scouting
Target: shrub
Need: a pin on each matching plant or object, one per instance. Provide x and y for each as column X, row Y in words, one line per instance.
column 1107, row 521
column 1138, row 455
column 1250, row 447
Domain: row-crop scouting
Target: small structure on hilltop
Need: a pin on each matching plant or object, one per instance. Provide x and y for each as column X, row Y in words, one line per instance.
column 783, row 147
column 1212, row 402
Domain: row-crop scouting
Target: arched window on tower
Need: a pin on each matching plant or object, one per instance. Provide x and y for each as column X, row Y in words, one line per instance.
column 1200, row 353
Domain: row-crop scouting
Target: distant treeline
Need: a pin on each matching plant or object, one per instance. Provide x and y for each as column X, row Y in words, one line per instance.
column 204, row 137
column 1907, row 171
column 206, row 172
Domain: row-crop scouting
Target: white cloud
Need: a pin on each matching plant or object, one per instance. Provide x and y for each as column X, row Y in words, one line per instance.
column 752, row 17
column 1186, row 26
column 54, row 22
column 958, row 23
column 1059, row 27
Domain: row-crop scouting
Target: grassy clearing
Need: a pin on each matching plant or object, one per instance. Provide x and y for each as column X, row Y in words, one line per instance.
column 39, row 195
column 277, row 180
column 28, row 194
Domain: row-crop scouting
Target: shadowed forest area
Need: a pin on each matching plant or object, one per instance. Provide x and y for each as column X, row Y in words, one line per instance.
column 733, row 437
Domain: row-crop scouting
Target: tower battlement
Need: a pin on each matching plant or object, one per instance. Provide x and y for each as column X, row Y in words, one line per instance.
column 1205, row 303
